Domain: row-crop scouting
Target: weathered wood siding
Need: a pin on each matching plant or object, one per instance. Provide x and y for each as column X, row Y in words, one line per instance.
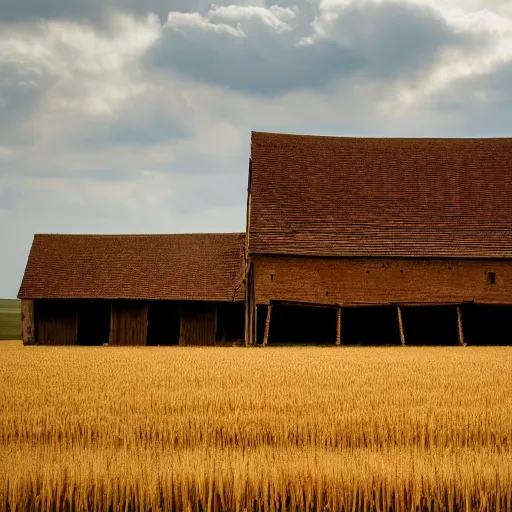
column 381, row 281
column 198, row 324
column 129, row 323
column 56, row 322
column 28, row 325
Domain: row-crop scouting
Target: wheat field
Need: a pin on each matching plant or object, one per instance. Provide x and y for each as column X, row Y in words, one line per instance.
column 373, row 429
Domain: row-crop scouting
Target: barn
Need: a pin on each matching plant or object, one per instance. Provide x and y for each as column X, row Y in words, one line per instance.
column 379, row 240
column 134, row 290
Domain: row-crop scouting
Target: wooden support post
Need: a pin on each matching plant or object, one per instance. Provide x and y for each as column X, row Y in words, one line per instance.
column 459, row 324
column 401, row 326
column 28, row 326
column 247, row 314
column 250, row 307
column 255, row 325
column 338, row 326
column 267, row 326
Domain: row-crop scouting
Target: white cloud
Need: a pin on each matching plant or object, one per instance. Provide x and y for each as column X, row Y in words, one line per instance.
column 274, row 17
column 179, row 20
column 62, row 49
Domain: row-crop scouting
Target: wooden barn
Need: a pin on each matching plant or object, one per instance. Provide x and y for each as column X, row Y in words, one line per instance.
column 379, row 240
column 134, row 290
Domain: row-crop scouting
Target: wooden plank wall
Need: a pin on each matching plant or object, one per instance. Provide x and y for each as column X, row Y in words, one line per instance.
column 28, row 325
column 129, row 323
column 56, row 322
column 368, row 281
column 198, row 324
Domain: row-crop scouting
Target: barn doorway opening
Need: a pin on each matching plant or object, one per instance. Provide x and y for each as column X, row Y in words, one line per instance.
column 297, row 325
column 163, row 323
column 487, row 325
column 93, row 322
column 230, row 322
column 430, row 325
column 370, row 325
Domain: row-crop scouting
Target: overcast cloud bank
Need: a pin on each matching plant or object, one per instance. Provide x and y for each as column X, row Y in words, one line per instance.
column 121, row 119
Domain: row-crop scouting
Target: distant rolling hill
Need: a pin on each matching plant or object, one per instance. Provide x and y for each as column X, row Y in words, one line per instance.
column 10, row 321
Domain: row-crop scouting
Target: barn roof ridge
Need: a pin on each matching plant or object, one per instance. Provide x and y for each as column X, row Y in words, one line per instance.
column 373, row 137
column 101, row 235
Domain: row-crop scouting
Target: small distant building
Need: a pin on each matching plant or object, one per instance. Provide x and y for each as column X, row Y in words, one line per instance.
column 379, row 240
column 134, row 290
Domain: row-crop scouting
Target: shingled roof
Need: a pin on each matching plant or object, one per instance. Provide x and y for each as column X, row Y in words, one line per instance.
column 345, row 196
column 203, row 267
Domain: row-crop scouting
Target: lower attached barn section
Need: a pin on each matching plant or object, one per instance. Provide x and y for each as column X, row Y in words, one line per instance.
column 130, row 322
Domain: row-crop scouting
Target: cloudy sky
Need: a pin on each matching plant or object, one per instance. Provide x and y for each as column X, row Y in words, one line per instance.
column 122, row 116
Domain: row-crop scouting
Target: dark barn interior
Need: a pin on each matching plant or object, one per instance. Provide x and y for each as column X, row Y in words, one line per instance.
column 298, row 325
column 163, row 323
column 375, row 325
column 430, row 325
column 487, row 325
column 93, row 322
column 230, row 322
column 379, row 325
